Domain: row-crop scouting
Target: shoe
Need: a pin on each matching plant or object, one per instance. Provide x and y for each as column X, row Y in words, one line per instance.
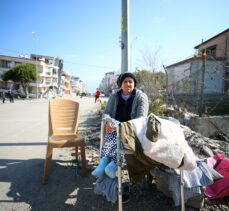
column 125, row 192
column 111, row 169
column 99, row 171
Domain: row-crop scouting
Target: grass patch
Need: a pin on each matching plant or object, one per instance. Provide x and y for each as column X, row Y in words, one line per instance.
column 155, row 106
column 103, row 105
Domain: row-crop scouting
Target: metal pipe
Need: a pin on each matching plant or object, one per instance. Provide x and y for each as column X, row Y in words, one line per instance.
column 119, row 170
column 182, row 190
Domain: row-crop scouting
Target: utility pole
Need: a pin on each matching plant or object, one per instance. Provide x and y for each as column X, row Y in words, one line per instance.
column 125, row 37
column 60, row 69
column 203, row 55
column 167, row 85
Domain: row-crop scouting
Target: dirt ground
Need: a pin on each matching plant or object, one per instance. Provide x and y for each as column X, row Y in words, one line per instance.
column 143, row 196
column 67, row 190
column 22, row 163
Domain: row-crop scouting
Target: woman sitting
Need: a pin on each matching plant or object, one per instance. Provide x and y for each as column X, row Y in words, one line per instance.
column 125, row 104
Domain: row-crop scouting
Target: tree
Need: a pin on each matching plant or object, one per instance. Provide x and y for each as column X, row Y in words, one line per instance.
column 23, row 74
column 150, row 58
column 151, row 82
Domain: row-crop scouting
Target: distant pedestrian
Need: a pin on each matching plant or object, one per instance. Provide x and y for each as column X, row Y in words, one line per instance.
column 97, row 95
column 11, row 96
column 100, row 99
column 3, row 96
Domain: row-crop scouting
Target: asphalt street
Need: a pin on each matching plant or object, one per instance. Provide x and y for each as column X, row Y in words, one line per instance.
column 23, row 140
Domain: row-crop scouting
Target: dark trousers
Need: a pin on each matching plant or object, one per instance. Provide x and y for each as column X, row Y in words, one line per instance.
column 11, row 98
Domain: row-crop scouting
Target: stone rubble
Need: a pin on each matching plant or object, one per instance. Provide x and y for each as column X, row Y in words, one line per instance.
column 202, row 146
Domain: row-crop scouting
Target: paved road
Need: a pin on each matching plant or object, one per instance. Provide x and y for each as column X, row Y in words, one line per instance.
column 26, row 122
column 23, row 139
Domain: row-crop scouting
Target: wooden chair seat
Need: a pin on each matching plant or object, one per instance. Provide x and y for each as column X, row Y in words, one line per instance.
column 66, row 140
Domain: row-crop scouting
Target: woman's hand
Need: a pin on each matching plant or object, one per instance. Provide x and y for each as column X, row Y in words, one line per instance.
column 109, row 128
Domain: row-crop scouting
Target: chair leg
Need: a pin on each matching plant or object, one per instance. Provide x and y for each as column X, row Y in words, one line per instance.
column 76, row 152
column 83, row 160
column 48, row 162
column 149, row 178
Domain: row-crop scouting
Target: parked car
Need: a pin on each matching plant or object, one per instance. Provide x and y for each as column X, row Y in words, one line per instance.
column 19, row 94
column 83, row 94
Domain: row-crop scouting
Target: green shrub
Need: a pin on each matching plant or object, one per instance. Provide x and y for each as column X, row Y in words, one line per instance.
column 155, row 106
column 103, row 105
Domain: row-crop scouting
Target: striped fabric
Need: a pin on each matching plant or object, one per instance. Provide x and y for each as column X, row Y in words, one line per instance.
column 202, row 176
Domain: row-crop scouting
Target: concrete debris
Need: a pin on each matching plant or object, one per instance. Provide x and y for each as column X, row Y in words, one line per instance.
column 205, row 147
column 202, row 146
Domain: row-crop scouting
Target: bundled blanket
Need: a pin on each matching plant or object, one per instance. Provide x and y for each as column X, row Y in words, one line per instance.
column 161, row 139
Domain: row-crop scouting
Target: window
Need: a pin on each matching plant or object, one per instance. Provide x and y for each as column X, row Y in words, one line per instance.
column 227, row 68
column 5, row 64
column 211, row 51
column 48, row 71
column 17, row 63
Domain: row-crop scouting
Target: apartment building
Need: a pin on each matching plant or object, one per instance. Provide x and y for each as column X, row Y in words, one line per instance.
column 108, row 82
column 8, row 62
column 48, row 71
column 77, row 86
column 51, row 78
column 65, row 84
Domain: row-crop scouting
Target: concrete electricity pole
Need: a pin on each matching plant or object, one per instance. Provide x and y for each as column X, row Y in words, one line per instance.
column 124, row 68
column 125, row 37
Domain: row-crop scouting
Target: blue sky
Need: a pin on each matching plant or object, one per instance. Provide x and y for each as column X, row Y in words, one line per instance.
column 86, row 33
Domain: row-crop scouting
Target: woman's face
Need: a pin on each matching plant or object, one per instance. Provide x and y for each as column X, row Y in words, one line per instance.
column 127, row 85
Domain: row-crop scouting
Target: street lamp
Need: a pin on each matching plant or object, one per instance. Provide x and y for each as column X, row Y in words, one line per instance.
column 35, row 37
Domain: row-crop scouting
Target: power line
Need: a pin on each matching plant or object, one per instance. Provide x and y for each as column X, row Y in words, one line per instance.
column 91, row 65
column 82, row 64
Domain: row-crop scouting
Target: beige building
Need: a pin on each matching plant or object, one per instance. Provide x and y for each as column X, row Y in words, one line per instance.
column 47, row 72
column 108, row 82
column 65, row 85
column 77, row 86
column 202, row 81
column 8, row 62
column 217, row 48
column 51, row 79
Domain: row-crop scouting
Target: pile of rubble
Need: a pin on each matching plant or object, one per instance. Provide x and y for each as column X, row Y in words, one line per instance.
column 202, row 146
column 205, row 147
